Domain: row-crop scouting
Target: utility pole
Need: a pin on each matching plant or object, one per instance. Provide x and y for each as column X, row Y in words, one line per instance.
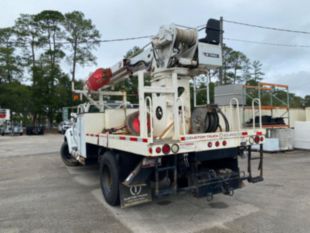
column 221, row 78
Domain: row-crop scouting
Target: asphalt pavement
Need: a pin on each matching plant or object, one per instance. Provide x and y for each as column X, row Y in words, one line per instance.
column 39, row 194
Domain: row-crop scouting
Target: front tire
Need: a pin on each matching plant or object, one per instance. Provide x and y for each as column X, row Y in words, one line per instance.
column 66, row 156
column 109, row 178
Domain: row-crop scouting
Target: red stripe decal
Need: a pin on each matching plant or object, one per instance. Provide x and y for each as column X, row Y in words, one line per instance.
column 182, row 138
column 133, row 139
column 122, row 138
column 144, row 140
column 259, row 133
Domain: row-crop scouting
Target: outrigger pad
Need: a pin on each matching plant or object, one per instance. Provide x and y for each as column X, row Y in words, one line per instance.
column 134, row 194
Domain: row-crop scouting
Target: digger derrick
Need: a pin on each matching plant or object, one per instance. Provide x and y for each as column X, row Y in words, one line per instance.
column 162, row 145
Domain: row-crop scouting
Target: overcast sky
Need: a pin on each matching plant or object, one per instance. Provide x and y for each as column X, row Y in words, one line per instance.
column 118, row 19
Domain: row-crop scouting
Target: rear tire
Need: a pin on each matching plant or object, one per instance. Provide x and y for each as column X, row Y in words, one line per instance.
column 67, row 157
column 109, row 178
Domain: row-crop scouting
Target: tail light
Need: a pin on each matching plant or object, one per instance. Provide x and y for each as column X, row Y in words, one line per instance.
column 224, row 143
column 244, row 133
column 256, row 139
column 166, row 149
column 158, row 150
column 209, row 144
column 217, row 143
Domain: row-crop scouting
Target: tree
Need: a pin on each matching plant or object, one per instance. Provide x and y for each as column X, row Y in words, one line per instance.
column 213, row 74
column 307, row 101
column 29, row 39
column 234, row 66
column 237, row 62
column 16, row 97
column 201, row 93
column 130, row 85
column 83, row 37
column 238, row 68
column 257, row 71
column 50, row 24
column 133, row 52
column 246, row 70
column 10, row 64
column 226, row 63
column 296, row 101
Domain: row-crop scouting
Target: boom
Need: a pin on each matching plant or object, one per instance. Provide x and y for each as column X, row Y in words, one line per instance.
column 172, row 47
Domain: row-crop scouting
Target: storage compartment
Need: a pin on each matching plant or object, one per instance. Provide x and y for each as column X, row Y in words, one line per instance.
column 223, row 94
column 115, row 118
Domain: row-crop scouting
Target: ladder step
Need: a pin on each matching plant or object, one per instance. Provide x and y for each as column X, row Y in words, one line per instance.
column 171, row 187
column 165, row 192
column 256, row 179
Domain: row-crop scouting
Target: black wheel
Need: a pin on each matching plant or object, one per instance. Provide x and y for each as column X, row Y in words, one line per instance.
column 127, row 163
column 109, row 178
column 66, row 156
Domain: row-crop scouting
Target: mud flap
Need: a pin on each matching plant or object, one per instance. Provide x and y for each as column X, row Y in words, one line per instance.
column 134, row 195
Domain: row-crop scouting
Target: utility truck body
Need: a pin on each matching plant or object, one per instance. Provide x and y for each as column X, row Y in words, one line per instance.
column 163, row 145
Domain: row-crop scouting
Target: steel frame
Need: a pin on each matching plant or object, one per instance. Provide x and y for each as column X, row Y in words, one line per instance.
column 270, row 89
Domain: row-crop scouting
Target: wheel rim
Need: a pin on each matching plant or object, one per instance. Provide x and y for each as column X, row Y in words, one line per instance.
column 106, row 179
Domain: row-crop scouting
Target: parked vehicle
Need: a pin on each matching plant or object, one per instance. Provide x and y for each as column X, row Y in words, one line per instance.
column 162, row 145
column 11, row 128
column 35, row 130
column 63, row 126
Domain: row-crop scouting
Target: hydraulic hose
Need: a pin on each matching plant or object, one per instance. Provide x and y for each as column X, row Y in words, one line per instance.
column 227, row 127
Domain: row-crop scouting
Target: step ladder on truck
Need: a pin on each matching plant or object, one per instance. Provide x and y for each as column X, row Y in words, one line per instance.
column 162, row 145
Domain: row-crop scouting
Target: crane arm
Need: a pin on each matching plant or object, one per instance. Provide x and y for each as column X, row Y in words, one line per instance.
column 173, row 46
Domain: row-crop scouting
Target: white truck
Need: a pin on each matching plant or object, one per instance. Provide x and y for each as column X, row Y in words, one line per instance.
column 163, row 145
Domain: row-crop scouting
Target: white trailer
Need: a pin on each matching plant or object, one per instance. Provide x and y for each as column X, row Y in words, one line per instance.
column 163, row 145
column 4, row 115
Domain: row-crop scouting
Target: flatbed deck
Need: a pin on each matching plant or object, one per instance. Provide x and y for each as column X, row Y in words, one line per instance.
column 187, row 143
